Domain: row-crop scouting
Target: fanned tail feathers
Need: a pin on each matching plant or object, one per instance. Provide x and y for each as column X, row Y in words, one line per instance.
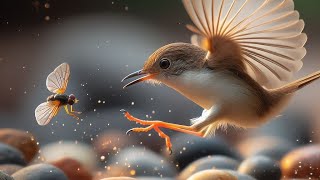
column 268, row 32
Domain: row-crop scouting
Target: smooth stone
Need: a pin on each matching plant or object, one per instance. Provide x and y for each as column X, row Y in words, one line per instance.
column 10, row 168
column 40, row 172
column 299, row 132
column 5, row 176
column 212, row 175
column 77, row 151
column 303, row 163
column 187, row 148
column 241, row 176
column 73, row 169
column 206, row 163
column 261, row 168
column 21, row 140
column 269, row 146
column 10, row 155
column 139, row 161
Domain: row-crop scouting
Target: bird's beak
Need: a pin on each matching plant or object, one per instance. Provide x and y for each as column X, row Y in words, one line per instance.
column 137, row 73
column 76, row 101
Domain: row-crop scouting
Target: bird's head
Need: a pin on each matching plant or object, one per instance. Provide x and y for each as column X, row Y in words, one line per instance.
column 169, row 61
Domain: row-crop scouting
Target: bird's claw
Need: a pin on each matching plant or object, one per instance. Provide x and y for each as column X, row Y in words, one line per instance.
column 170, row 151
column 123, row 111
column 129, row 131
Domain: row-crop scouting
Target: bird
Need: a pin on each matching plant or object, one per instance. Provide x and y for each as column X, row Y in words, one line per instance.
column 238, row 67
column 57, row 83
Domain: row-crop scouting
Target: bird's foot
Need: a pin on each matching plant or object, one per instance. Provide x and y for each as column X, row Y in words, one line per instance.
column 156, row 125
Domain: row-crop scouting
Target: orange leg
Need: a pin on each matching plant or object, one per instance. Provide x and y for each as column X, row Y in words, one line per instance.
column 157, row 124
column 71, row 114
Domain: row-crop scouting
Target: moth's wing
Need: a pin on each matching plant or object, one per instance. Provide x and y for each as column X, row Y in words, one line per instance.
column 57, row 81
column 268, row 32
column 46, row 111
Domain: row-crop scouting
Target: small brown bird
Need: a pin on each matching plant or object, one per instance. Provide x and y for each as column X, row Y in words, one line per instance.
column 242, row 53
column 57, row 83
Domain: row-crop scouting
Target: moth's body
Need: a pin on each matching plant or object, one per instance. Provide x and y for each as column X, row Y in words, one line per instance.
column 237, row 68
column 62, row 99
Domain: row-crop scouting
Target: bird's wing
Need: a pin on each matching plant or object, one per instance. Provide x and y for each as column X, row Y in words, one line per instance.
column 57, row 81
column 268, row 33
column 46, row 111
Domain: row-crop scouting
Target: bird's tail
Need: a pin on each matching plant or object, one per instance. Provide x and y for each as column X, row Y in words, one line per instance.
column 300, row 83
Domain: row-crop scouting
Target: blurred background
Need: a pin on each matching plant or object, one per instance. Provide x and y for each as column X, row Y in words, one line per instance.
column 104, row 40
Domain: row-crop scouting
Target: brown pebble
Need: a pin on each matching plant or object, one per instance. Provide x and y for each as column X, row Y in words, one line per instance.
column 73, row 169
column 10, row 168
column 303, row 162
column 23, row 141
column 212, row 175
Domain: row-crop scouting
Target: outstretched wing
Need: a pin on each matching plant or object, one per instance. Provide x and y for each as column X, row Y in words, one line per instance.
column 57, row 81
column 268, row 32
column 46, row 111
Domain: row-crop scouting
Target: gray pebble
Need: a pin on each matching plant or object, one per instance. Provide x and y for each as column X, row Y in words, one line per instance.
column 4, row 176
column 261, row 167
column 10, row 155
column 40, row 172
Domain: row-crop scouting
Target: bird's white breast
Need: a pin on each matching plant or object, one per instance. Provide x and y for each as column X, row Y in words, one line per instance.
column 208, row 88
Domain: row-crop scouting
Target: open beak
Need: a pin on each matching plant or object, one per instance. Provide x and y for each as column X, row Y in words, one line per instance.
column 137, row 73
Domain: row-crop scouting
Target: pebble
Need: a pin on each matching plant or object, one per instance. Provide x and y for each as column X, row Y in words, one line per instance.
column 141, row 162
column 40, row 172
column 303, row 163
column 4, row 176
column 77, row 151
column 241, row 176
column 21, row 140
column 269, row 146
column 10, row 168
column 73, row 169
column 187, row 149
column 261, row 167
column 206, row 163
column 10, row 155
column 212, row 175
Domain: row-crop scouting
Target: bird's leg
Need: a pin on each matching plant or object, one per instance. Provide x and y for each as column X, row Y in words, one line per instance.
column 157, row 124
column 72, row 111
column 166, row 137
column 69, row 113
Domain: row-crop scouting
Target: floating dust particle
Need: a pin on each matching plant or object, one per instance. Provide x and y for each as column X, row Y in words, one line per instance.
column 47, row 18
column 132, row 103
column 153, row 112
column 132, row 172
column 47, row 5
column 102, row 158
column 126, row 8
column 99, row 101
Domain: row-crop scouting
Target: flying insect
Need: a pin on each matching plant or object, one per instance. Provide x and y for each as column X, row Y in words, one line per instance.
column 57, row 83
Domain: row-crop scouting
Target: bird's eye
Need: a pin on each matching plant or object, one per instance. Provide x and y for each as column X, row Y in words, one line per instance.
column 165, row 63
